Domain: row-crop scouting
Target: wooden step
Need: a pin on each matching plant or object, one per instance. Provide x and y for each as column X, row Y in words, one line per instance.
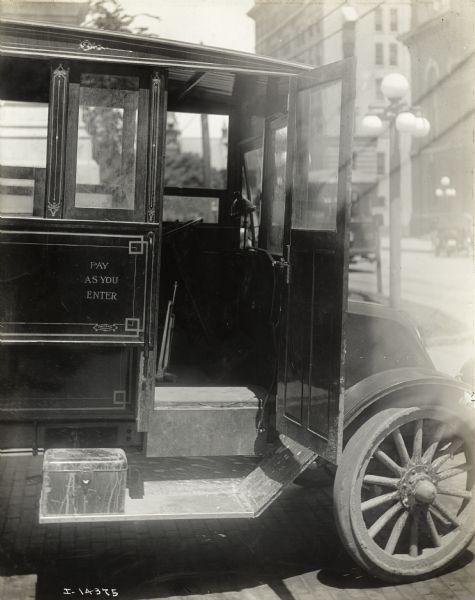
column 205, row 421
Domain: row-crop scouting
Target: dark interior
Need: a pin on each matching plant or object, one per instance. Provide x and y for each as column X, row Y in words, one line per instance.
column 225, row 309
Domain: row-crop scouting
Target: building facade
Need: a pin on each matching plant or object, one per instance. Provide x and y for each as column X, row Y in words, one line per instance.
column 442, row 46
column 68, row 12
column 323, row 31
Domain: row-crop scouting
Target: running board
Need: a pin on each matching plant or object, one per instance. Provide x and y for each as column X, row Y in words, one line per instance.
column 245, row 497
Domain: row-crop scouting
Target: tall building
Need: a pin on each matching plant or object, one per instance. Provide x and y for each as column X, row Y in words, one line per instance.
column 68, row 12
column 317, row 32
column 442, row 46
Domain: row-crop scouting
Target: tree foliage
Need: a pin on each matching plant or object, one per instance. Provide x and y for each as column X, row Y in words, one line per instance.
column 110, row 16
column 186, row 170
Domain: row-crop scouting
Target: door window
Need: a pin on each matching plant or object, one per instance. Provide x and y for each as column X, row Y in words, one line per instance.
column 252, row 183
column 277, row 189
column 316, row 181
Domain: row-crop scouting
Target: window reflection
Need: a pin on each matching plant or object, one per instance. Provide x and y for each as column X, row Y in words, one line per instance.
column 107, row 142
column 277, row 205
column 196, row 150
column 316, row 182
column 252, row 184
column 185, row 208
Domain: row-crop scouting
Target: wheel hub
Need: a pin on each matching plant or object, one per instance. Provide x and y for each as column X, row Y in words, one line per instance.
column 418, row 486
column 425, row 491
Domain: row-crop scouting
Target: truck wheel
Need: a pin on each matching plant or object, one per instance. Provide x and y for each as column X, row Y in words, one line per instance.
column 403, row 496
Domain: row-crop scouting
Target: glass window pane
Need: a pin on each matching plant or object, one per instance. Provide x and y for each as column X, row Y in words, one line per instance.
column 394, row 19
column 316, row 181
column 107, row 142
column 252, row 181
column 277, row 203
column 185, row 208
column 393, row 54
column 23, row 132
column 378, row 19
column 196, row 150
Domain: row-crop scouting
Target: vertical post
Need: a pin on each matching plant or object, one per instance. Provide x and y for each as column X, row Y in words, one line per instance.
column 58, row 111
column 206, row 151
column 156, row 141
column 394, row 216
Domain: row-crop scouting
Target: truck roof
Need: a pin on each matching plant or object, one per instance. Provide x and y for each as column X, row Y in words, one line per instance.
column 26, row 38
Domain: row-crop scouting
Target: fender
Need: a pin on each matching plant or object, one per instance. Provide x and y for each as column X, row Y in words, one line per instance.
column 393, row 385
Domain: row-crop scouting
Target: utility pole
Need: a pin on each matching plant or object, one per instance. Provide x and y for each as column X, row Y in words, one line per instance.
column 394, row 216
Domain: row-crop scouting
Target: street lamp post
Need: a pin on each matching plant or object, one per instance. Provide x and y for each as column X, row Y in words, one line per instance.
column 401, row 119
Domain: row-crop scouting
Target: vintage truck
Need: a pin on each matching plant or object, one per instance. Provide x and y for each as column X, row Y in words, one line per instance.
column 144, row 316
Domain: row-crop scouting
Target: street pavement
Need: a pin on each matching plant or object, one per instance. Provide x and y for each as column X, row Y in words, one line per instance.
column 292, row 552
column 437, row 292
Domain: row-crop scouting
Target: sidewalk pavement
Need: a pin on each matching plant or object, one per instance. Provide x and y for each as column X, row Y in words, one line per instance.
column 292, row 552
column 409, row 244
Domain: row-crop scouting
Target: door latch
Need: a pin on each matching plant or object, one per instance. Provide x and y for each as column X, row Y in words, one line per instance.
column 283, row 264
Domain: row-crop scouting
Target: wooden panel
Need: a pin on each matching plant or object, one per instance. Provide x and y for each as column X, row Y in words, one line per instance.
column 64, row 286
column 69, row 382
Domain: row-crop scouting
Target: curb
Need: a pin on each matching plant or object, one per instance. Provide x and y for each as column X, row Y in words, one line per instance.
column 448, row 340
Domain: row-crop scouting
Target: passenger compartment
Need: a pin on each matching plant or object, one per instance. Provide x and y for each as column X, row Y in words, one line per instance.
column 214, row 397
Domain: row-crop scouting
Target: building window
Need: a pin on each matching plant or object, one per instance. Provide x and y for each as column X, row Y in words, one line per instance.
column 380, row 163
column 377, row 84
column 354, row 160
column 379, row 202
column 379, row 53
column 378, row 19
column 316, row 58
column 393, row 54
column 393, row 19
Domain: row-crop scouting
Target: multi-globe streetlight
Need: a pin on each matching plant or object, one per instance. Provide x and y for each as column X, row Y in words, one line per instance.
column 445, row 191
column 401, row 118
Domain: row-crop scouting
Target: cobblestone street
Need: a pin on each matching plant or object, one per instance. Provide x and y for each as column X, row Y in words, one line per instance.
column 291, row 552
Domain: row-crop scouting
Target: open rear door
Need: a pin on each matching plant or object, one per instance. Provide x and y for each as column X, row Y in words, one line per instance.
column 311, row 360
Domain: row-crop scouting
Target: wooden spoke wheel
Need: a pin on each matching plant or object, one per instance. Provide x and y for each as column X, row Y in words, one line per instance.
column 403, row 493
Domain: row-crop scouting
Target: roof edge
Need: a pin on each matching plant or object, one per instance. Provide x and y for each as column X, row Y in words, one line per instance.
column 153, row 42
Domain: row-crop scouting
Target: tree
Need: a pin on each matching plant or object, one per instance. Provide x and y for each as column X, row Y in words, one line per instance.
column 110, row 16
column 186, row 170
